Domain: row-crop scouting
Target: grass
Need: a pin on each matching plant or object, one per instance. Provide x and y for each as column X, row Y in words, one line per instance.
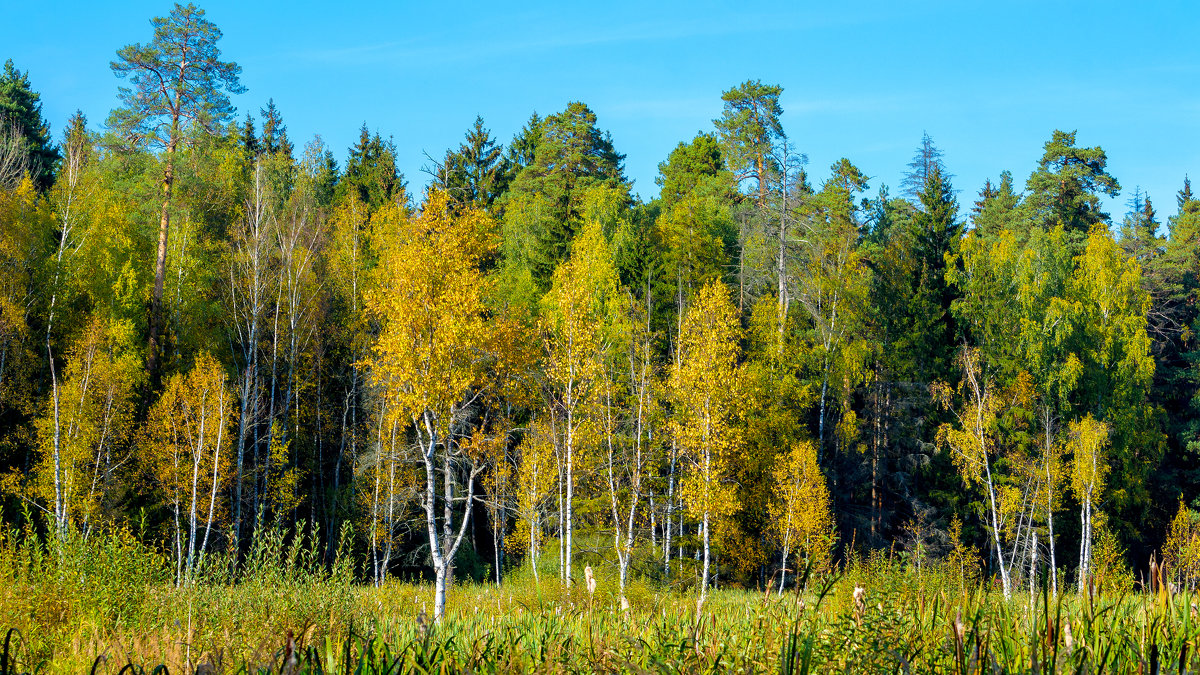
column 108, row 606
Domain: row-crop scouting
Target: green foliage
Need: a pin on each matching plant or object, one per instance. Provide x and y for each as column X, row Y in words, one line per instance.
column 21, row 112
column 371, row 173
column 571, row 157
column 178, row 80
column 750, row 127
column 848, row 313
column 477, row 173
column 1066, row 187
column 875, row 616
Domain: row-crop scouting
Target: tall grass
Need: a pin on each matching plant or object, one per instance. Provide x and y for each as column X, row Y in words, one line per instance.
column 108, row 605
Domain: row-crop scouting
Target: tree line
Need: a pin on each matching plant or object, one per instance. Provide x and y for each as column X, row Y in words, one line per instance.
column 209, row 331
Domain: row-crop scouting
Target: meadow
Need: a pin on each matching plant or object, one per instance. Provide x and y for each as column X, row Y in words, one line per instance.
column 109, row 606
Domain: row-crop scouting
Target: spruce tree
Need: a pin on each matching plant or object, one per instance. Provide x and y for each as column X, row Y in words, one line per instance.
column 249, row 137
column 21, row 111
column 475, row 174
column 995, row 210
column 936, row 232
column 927, row 159
column 371, row 170
column 274, row 139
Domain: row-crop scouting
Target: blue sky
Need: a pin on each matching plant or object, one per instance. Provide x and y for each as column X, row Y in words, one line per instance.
column 988, row 81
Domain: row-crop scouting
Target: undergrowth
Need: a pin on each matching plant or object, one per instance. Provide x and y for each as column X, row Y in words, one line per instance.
column 108, row 606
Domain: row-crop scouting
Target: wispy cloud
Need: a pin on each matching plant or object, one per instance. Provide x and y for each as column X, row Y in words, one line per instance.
column 472, row 45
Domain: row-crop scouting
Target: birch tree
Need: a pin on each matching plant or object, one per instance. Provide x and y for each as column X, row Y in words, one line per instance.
column 831, row 282
column 429, row 355
column 90, row 419
column 801, row 515
column 577, row 311
column 249, row 271
column 73, row 188
column 630, row 412
column 535, row 478
column 704, row 395
column 1089, row 439
column 187, row 452
column 972, row 440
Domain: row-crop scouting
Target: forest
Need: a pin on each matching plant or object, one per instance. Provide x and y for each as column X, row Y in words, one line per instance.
column 212, row 336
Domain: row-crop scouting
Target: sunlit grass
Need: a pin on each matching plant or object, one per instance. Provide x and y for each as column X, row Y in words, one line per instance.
column 112, row 598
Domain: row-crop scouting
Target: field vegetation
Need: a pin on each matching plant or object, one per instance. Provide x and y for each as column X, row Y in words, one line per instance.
column 269, row 408
column 110, row 606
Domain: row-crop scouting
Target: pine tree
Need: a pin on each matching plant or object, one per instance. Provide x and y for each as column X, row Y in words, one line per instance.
column 571, row 159
column 1067, row 185
column 179, row 84
column 690, row 167
column 750, row 128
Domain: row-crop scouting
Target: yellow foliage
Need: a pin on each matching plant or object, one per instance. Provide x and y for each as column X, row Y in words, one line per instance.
column 1089, row 468
column 801, row 514
column 1110, row 572
column 282, row 478
column 24, row 218
column 187, row 454
column 536, row 474
column 972, row 440
column 96, row 409
column 430, row 304
column 705, row 393
column 1181, row 550
column 963, row 558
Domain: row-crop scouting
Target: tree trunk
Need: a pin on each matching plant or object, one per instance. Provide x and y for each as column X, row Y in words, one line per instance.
column 704, row 572
column 160, row 262
column 1050, row 506
column 441, row 549
column 783, row 571
column 821, row 419
column 996, row 531
column 670, row 512
column 570, row 480
column 439, row 592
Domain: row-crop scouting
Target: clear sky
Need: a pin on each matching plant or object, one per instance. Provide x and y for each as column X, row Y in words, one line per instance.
column 988, row 81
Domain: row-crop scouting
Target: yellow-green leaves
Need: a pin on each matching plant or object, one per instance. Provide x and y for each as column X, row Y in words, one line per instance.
column 103, row 372
column 1089, row 439
column 705, row 393
column 801, row 515
column 430, row 305
column 187, row 453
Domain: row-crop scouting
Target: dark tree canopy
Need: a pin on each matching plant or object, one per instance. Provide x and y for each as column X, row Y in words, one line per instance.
column 1067, row 185
column 571, row 158
column 371, row 170
column 749, row 126
column 476, row 173
column 21, row 112
column 274, row 139
column 688, row 165
column 996, row 206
